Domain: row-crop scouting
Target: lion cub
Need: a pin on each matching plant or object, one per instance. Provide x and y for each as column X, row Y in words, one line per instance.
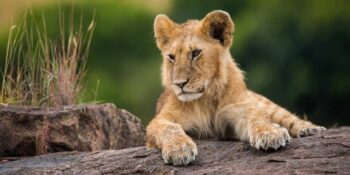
column 205, row 94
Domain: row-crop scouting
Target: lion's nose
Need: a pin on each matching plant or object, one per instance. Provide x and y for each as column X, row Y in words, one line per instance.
column 181, row 83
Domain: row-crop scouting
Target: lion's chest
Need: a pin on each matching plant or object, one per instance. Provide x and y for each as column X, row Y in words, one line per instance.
column 198, row 122
column 206, row 122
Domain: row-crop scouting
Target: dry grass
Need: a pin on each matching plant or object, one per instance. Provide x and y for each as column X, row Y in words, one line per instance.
column 40, row 71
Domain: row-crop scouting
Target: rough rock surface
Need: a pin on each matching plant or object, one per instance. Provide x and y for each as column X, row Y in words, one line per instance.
column 325, row 153
column 28, row 131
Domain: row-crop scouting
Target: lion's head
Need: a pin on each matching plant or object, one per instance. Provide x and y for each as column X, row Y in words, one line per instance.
column 194, row 52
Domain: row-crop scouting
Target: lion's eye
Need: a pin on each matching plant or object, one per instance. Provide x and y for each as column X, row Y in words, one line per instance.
column 196, row 53
column 171, row 57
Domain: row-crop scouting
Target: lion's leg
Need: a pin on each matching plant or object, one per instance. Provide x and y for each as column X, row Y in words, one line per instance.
column 296, row 126
column 250, row 125
column 177, row 148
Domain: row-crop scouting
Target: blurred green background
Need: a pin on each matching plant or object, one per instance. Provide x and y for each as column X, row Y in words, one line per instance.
column 295, row 52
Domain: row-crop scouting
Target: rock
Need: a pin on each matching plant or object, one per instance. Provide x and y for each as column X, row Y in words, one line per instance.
column 325, row 153
column 26, row 131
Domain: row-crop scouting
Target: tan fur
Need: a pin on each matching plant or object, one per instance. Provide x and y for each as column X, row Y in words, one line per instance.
column 214, row 100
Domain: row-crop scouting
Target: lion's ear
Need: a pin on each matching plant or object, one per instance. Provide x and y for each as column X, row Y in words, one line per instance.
column 164, row 29
column 219, row 26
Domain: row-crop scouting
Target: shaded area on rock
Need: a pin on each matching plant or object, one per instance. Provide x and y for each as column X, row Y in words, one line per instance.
column 32, row 130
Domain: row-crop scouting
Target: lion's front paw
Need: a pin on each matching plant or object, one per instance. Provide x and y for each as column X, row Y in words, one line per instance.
column 272, row 137
column 179, row 151
column 310, row 130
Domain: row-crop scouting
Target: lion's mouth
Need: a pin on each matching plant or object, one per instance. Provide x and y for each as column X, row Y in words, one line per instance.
column 186, row 97
column 192, row 92
column 190, row 96
column 187, row 94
